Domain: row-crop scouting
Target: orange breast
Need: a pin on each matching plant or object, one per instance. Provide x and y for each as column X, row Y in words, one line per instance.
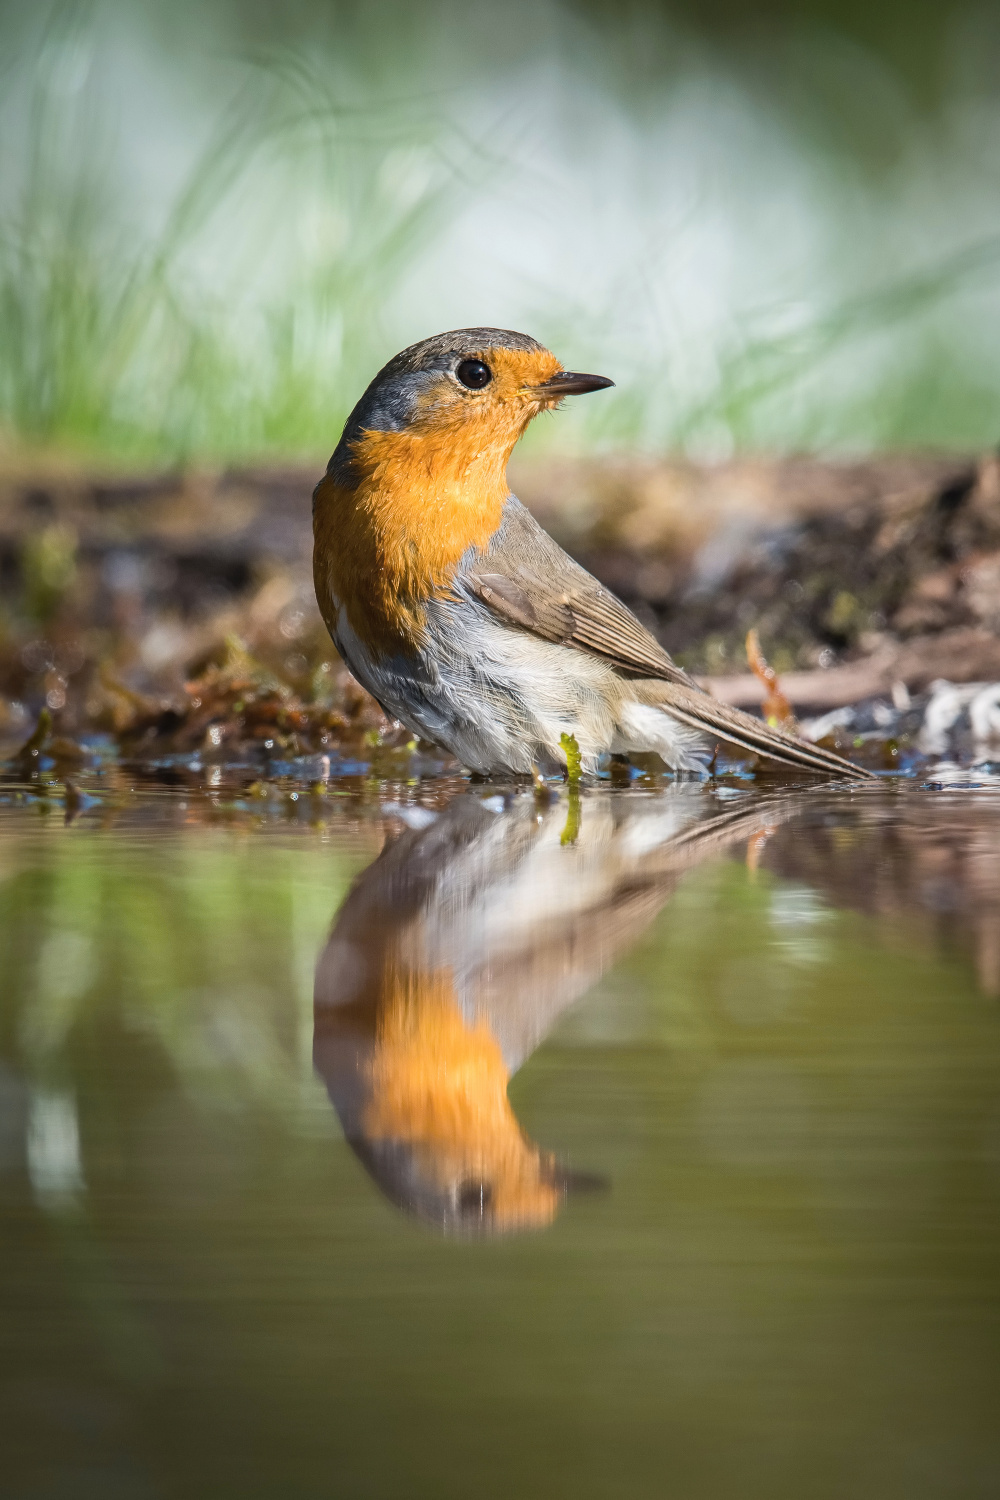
column 386, row 547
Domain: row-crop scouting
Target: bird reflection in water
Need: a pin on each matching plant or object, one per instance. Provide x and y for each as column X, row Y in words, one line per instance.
column 452, row 958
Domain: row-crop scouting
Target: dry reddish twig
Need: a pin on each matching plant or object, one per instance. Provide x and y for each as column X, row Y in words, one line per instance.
column 755, row 849
column 776, row 708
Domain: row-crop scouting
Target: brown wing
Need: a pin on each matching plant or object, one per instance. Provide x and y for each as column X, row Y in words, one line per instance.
column 527, row 579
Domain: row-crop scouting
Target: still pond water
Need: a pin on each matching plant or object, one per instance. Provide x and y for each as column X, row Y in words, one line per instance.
column 643, row 1145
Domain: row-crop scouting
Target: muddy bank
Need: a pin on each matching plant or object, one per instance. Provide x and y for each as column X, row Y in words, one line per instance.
column 855, row 575
column 174, row 612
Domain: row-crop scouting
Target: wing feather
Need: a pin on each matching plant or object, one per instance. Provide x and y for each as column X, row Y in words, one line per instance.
column 527, row 580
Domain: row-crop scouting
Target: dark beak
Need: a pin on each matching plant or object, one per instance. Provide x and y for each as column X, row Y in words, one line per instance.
column 568, row 383
column 568, row 1181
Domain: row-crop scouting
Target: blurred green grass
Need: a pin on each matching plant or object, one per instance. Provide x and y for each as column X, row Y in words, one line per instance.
column 113, row 348
column 212, row 233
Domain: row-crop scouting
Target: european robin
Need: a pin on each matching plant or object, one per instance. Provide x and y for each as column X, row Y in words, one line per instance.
column 461, row 616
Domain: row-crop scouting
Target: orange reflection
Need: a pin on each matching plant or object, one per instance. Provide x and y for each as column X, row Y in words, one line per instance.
column 452, row 958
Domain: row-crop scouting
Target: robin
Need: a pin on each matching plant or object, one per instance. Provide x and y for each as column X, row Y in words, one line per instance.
column 461, row 616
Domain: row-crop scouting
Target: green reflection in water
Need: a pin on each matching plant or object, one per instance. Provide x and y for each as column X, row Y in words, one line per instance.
column 790, row 1287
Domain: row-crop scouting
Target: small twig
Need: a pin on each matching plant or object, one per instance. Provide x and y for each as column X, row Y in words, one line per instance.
column 776, row 708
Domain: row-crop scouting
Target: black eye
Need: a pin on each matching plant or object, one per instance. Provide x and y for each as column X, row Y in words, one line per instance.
column 474, row 1199
column 474, row 374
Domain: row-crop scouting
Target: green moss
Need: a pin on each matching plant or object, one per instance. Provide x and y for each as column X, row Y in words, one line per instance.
column 573, row 762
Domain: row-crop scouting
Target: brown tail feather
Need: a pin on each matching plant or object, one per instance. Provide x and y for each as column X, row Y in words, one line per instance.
column 700, row 711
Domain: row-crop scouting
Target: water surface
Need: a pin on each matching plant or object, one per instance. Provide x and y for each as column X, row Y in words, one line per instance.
column 641, row 1144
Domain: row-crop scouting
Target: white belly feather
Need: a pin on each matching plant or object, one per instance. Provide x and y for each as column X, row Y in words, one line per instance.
column 500, row 699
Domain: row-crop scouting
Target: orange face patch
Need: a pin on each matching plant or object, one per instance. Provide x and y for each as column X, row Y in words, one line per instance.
column 500, row 411
column 424, row 496
column 441, row 1085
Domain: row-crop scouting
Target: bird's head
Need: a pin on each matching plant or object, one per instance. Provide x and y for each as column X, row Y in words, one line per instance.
column 466, row 395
